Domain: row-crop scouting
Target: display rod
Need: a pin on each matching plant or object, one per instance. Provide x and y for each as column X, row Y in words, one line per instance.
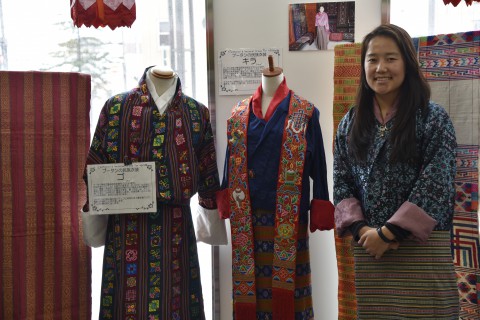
column 212, row 107
column 385, row 7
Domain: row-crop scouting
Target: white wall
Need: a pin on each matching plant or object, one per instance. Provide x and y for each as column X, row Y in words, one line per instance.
column 264, row 24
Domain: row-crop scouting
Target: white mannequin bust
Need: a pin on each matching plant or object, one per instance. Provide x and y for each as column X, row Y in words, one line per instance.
column 162, row 78
column 269, row 87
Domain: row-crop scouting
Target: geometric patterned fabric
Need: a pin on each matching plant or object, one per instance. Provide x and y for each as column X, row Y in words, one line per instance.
column 346, row 81
column 450, row 62
column 45, row 269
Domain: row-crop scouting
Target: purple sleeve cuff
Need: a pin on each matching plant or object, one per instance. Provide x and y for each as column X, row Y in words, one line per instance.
column 347, row 212
column 414, row 219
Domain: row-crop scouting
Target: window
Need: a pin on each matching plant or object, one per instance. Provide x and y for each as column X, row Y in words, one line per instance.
column 166, row 32
column 432, row 17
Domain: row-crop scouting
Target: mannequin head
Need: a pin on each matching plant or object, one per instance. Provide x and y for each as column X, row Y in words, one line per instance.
column 162, row 72
column 160, row 79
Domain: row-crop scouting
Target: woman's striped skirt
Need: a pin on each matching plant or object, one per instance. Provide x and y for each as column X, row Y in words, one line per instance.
column 415, row 281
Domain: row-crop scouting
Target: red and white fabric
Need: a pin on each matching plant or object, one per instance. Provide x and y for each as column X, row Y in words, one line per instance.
column 102, row 13
column 456, row 2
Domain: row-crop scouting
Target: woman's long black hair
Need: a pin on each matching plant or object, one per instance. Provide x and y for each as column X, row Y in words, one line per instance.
column 414, row 94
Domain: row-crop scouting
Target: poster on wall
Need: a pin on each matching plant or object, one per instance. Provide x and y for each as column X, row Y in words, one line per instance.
column 241, row 69
column 320, row 26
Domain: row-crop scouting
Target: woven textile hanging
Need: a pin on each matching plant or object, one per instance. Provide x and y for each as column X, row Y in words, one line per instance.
column 102, row 13
column 45, row 269
column 450, row 63
column 346, row 72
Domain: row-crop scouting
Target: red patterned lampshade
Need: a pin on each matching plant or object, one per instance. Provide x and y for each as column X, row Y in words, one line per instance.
column 456, row 2
column 102, row 13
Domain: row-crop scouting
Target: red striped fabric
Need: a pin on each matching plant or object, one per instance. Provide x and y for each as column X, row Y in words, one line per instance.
column 45, row 269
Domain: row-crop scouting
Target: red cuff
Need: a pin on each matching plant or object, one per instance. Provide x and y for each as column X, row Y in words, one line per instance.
column 321, row 215
column 223, row 205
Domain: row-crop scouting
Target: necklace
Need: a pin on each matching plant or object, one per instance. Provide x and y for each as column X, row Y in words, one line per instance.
column 383, row 126
column 383, row 130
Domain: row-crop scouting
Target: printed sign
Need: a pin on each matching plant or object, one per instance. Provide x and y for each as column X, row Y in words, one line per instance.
column 117, row 188
column 241, row 70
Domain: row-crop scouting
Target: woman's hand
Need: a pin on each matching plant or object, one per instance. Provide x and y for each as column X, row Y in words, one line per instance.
column 373, row 244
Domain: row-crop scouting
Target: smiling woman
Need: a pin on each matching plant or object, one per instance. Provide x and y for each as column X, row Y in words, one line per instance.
column 394, row 170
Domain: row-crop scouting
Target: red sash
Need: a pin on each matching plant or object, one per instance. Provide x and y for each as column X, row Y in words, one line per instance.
column 289, row 188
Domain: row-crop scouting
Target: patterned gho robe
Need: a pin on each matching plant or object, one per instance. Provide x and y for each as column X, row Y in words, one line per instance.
column 150, row 268
column 417, row 280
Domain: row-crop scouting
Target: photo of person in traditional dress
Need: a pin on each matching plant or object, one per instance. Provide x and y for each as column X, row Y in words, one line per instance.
column 322, row 29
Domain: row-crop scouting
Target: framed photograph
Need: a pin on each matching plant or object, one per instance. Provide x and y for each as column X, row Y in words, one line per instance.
column 320, row 26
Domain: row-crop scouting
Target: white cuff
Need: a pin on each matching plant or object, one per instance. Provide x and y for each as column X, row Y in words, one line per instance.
column 209, row 228
column 94, row 229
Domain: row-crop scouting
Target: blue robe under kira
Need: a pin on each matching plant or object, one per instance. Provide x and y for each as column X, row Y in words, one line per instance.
column 264, row 147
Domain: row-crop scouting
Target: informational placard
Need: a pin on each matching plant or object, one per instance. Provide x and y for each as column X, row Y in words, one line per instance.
column 241, row 69
column 116, row 188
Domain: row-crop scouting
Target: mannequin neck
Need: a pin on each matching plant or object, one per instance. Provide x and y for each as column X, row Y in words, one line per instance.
column 161, row 84
column 269, row 87
column 270, row 84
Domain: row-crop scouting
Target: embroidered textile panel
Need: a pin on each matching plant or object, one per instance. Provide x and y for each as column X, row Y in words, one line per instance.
column 451, row 64
column 45, row 269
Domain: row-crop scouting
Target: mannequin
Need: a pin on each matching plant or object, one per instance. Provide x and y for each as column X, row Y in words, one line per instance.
column 151, row 268
column 270, row 160
column 272, row 77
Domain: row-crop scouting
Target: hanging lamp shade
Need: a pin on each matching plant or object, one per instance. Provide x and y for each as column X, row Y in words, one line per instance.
column 456, row 2
column 102, row 13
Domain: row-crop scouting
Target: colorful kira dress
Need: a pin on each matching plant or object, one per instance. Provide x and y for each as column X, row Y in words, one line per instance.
column 150, row 268
column 416, row 281
column 266, row 196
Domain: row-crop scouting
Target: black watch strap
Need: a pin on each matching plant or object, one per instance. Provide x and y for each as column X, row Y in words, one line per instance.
column 380, row 233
